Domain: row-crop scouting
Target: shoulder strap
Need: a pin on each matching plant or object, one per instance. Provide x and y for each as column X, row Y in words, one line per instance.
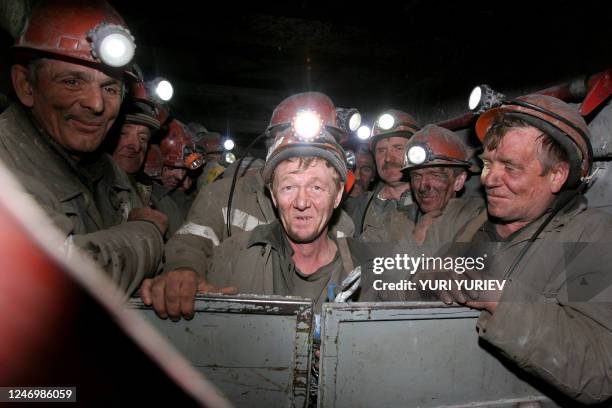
column 345, row 255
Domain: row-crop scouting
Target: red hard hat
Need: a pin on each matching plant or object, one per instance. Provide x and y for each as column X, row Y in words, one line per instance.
column 154, row 162
column 398, row 124
column 435, row 146
column 305, row 125
column 138, row 108
column 178, row 149
column 80, row 31
column 322, row 108
column 555, row 118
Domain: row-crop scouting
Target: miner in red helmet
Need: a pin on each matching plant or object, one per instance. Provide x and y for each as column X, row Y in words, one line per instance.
column 436, row 161
column 138, row 122
column 210, row 142
column 179, row 156
column 390, row 133
column 538, row 237
column 70, row 83
column 208, row 224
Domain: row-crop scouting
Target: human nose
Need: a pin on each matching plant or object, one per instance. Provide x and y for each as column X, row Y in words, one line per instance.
column 93, row 100
column 302, row 201
column 491, row 176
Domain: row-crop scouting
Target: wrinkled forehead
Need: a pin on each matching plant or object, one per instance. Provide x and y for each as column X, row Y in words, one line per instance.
column 519, row 143
column 392, row 141
column 54, row 68
column 297, row 168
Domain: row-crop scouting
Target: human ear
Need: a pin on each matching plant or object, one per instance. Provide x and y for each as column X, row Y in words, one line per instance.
column 338, row 198
column 22, row 85
column 558, row 176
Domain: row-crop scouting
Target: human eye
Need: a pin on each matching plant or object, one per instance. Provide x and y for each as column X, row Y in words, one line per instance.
column 317, row 188
column 113, row 90
column 72, row 83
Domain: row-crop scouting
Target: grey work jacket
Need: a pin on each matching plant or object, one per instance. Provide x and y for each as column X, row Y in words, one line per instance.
column 193, row 244
column 250, row 260
column 554, row 319
column 88, row 201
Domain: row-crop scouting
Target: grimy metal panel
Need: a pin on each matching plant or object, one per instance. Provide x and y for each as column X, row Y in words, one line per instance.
column 411, row 355
column 255, row 349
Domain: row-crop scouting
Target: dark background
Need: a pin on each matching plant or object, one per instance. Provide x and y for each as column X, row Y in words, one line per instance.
column 232, row 63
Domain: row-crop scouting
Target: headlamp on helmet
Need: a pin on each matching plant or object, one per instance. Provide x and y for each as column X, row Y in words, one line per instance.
column 421, row 153
column 161, row 89
column 483, row 98
column 386, row 121
column 307, row 125
column 112, row 44
column 192, row 158
column 364, row 132
column 351, row 159
column 227, row 159
column 348, row 119
column 228, row 144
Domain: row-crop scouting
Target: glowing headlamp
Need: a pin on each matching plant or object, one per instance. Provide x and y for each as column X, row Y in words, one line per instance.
column 364, row 132
column 351, row 159
column 483, row 98
column 228, row 158
column 163, row 89
column 112, row 44
column 386, row 121
column 192, row 159
column 228, row 144
column 419, row 153
column 307, row 125
column 416, row 155
column 348, row 119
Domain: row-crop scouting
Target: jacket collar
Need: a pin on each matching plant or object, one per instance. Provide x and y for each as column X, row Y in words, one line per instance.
column 269, row 234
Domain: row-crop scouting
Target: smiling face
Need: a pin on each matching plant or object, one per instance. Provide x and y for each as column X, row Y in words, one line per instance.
column 306, row 192
column 131, row 148
column 76, row 105
column 518, row 191
column 434, row 186
column 389, row 155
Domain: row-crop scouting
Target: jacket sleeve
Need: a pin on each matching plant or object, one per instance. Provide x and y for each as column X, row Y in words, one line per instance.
column 192, row 246
column 128, row 252
column 567, row 344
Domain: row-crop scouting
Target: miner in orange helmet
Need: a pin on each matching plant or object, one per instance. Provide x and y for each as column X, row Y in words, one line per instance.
column 390, row 133
column 70, row 83
column 303, row 129
column 539, row 240
column 437, row 163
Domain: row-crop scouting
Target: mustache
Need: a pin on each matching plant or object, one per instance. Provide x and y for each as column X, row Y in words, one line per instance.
column 391, row 165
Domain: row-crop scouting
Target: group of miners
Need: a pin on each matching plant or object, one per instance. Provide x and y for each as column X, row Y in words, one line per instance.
column 146, row 196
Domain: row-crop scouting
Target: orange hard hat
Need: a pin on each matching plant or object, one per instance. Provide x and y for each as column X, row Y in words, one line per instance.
column 90, row 33
column 305, row 125
column 393, row 123
column 553, row 117
column 435, row 146
column 178, row 149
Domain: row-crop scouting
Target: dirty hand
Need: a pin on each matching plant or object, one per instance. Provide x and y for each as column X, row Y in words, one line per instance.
column 462, row 288
column 172, row 294
column 148, row 214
